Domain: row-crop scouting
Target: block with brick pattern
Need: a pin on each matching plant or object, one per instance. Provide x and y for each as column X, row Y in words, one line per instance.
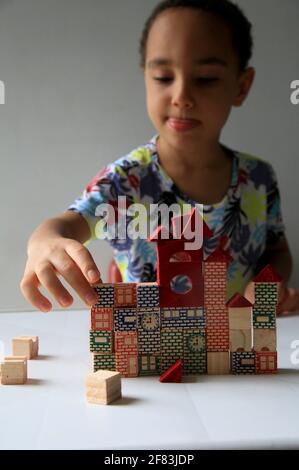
column 145, row 328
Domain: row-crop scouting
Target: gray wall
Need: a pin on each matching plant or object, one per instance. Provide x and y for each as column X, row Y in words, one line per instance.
column 75, row 101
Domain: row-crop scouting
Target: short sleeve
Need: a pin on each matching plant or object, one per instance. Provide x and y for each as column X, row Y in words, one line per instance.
column 104, row 189
column 275, row 225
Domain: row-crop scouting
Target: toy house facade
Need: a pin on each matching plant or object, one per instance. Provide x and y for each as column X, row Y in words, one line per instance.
column 144, row 328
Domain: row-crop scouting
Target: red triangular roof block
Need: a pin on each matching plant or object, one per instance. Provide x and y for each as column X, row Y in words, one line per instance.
column 238, row 301
column 173, row 374
column 219, row 255
column 268, row 274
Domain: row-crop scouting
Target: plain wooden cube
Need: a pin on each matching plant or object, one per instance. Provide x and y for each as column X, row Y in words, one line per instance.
column 13, row 371
column 25, row 346
column 218, row 363
column 103, row 387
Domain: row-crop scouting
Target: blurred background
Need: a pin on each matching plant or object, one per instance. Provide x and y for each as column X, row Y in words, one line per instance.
column 75, row 100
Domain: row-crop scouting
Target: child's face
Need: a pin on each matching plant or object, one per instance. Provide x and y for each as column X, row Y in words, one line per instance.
column 204, row 92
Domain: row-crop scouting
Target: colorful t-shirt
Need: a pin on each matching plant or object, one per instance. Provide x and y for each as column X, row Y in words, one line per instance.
column 249, row 216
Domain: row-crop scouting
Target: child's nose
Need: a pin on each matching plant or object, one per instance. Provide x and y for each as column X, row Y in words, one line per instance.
column 182, row 95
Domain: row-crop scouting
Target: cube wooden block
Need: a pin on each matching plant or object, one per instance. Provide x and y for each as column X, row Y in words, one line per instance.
column 103, row 387
column 218, row 363
column 25, row 346
column 13, row 371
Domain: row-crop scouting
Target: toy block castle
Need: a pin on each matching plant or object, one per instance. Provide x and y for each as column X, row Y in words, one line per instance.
column 145, row 328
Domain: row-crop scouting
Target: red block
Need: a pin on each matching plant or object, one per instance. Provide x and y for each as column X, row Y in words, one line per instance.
column 173, row 374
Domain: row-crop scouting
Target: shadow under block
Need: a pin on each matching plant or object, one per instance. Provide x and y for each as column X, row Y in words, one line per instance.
column 13, row 371
column 25, row 346
column 218, row 363
column 103, row 387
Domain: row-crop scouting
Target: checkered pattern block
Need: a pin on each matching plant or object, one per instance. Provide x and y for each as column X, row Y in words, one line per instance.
column 214, row 284
column 105, row 294
column 101, row 341
column 103, row 362
column 172, row 348
column 148, row 295
column 195, row 358
column 179, row 317
column 125, row 319
column 243, row 363
column 265, row 293
column 264, row 316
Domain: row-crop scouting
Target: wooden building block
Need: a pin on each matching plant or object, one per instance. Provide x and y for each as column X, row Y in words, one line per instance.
column 105, row 296
column 240, row 340
column 103, row 387
column 243, row 363
column 25, row 346
column 266, row 362
column 218, row 363
column 125, row 295
column 101, row 318
column 173, row 374
column 13, row 371
column 149, row 364
column 264, row 339
column 103, row 361
column 148, row 295
column 101, row 341
column 127, row 364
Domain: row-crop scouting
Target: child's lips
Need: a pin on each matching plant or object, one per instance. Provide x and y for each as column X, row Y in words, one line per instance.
column 182, row 124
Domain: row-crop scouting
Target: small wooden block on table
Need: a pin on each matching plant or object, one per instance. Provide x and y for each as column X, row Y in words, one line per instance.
column 13, row 371
column 103, row 387
column 25, row 346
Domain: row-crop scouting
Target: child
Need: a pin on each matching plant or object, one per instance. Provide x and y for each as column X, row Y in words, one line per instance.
column 194, row 56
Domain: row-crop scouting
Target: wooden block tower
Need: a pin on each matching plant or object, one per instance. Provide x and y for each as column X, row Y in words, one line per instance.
column 240, row 335
column 183, row 318
column 264, row 320
column 217, row 326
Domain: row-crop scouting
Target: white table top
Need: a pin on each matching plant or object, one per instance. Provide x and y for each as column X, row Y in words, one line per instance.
column 206, row 412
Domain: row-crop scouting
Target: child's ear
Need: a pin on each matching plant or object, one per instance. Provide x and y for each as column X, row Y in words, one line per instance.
column 246, row 80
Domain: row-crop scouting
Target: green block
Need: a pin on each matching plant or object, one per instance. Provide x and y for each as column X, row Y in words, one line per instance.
column 149, row 364
column 101, row 341
column 104, row 362
column 265, row 293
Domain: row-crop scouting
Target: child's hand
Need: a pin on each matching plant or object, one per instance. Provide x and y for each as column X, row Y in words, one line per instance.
column 51, row 258
column 288, row 298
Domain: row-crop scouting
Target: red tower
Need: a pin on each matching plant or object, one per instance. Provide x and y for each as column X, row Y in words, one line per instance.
column 180, row 254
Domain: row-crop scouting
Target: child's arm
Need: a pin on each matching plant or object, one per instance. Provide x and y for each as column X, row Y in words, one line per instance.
column 279, row 256
column 55, row 248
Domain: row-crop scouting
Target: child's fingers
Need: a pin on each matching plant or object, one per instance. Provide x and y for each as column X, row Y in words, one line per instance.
column 65, row 266
column 48, row 279
column 290, row 302
column 84, row 261
column 29, row 287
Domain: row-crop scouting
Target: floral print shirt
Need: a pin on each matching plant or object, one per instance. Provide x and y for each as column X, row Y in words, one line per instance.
column 249, row 217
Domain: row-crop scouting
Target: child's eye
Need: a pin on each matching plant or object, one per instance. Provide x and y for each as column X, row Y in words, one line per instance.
column 203, row 80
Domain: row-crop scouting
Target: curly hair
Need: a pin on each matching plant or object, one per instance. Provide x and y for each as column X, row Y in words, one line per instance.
column 230, row 13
